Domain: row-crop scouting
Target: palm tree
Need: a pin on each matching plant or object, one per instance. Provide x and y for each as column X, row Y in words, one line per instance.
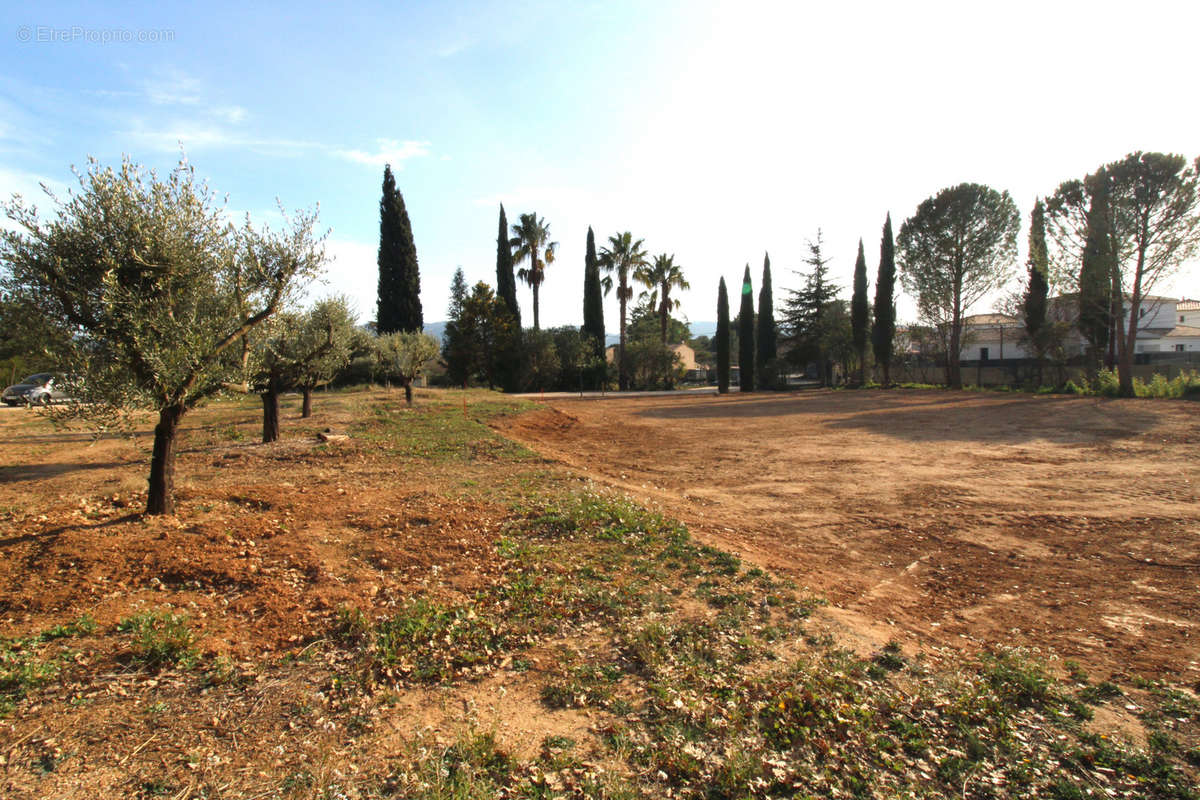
column 531, row 236
column 659, row 278
column 622, row 255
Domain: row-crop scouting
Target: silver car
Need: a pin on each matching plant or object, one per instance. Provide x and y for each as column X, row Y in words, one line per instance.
column 40, row 389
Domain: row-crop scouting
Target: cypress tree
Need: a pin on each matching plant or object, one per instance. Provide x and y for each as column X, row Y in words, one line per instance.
column 399, row 297
column 1095, row 276
column 593, row 307
column 883, row 331
column 506, row 282
column 860, row 313
column 768, row 334
column 1034, row 306
column 722, row 338
column 746, row 335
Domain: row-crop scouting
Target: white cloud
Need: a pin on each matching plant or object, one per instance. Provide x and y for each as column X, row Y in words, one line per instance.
column 388, row 151
column 195, row 135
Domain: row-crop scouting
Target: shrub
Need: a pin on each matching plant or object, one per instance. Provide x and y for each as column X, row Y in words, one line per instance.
column 1108, row 383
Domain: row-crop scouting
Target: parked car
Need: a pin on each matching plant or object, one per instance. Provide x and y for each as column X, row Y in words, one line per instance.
column 40, row 389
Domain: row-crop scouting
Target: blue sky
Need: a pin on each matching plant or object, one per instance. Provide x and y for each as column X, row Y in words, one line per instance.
column 715, row 130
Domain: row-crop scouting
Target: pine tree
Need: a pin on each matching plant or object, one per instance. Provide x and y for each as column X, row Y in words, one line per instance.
column 768, row 334
column 1034, row 305
column 811, row 326
column 456, row 347
column 722, row 338
column 593, row 309
column 506, row 281
column 1095, row 275
column 883, row 332
column 399, row 276
column 746, row 335
column 860, row 313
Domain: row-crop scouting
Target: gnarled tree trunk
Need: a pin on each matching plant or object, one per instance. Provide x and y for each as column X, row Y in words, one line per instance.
column 161, row 494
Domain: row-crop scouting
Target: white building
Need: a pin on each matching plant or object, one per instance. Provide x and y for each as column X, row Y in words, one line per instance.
column 1165, row 325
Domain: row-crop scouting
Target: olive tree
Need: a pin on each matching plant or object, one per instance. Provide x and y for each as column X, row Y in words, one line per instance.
column 328, row 333
column 404, row 355
column 297, row 351
column 157, row 289
column 959, row 246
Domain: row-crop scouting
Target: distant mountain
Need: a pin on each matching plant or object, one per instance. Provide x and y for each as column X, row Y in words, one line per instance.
column 703, row 329
column 436, row 329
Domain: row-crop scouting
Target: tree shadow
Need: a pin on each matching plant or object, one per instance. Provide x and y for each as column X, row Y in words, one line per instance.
column 1063, row 420
column 932, row 416
column 782, row 404
column 47, row 537
column 64, row 438
column 17, row 473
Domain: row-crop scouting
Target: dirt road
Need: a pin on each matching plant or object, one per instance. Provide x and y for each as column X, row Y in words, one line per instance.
column 949, row 518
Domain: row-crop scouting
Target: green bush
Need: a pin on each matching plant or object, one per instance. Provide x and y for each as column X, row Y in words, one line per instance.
column 1108, row 383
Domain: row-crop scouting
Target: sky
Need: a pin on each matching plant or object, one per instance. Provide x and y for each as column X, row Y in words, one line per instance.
column 716, row 131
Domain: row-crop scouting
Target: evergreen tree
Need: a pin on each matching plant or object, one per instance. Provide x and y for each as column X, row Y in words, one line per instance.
column 1034, row 304
column 722, row 338
column 456, row 347
column 768, row 334
column 399, row 277
column 883, row 332
column 959, row 245
column 807, row 318
column 506, row 281
column 593, row 310
column 1095, row 275
column 860, row 313
column 746, row 335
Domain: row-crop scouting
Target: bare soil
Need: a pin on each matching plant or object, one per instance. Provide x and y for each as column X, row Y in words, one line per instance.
column 936, row 518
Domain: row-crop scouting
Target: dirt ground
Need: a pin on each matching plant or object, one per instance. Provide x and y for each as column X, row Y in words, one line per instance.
column 935, row 518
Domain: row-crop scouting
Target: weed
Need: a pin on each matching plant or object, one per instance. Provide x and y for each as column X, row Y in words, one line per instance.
column 432, row 642
column 160, row 639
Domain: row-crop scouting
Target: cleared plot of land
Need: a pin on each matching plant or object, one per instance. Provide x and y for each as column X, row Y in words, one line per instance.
column 946, row 518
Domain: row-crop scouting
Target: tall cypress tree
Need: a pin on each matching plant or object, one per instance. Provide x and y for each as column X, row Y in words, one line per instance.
column 722, row 338
column 860, row 313
column 883, row 331
column 506, row 282
column 746, row 335
column 1034, row 305
column 768, row 334
column 399, row 297
column 1095, row 275
column 593, row 308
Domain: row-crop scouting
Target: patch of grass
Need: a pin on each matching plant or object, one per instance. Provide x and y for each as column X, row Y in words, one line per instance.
column 441, row 432
column 160, row 639
column 26, row 663
column 432, row 642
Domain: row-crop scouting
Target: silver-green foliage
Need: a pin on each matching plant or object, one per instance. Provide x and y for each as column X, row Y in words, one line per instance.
column 154, row 284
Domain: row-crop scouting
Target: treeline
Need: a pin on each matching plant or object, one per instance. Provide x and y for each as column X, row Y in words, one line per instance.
column 1101, row 244
column 485, row 344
